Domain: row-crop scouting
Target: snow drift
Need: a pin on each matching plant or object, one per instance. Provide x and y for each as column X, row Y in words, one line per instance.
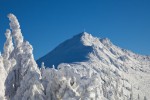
column 87, row 68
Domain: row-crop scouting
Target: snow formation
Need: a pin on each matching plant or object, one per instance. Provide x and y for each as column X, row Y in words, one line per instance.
column 87, row 68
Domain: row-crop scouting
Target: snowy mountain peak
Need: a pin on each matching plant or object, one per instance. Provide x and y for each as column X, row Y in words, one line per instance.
column 84, row 47
column 75, row 49
column 82, row 34
column 89, row 68
column 101, row 54
column 83, row 37
column 87, row 39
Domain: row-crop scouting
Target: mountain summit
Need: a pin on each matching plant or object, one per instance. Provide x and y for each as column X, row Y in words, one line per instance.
column 80, row 47
column 84, row 51
column 75, row 49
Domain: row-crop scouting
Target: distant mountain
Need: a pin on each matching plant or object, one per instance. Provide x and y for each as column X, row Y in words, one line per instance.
column 101, row 55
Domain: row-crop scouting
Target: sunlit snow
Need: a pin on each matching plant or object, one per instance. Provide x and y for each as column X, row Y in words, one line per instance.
column 86, row 68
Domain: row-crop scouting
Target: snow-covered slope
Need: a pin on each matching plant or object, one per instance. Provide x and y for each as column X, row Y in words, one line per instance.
column 72, row 50
column 85, row 51
column 88, row 68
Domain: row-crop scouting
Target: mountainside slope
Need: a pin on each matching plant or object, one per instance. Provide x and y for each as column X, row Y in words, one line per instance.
column 84, row 47
column 72, row 50
column 100, row 55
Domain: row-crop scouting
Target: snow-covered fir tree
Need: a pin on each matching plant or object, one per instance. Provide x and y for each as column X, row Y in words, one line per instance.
column 25, row 75
column 2, row 79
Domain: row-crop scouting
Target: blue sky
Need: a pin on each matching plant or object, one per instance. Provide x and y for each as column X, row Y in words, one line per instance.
column 46, row 23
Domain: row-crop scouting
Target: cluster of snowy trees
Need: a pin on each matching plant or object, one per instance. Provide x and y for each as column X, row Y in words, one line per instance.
column 20, row 74
column 21, row 78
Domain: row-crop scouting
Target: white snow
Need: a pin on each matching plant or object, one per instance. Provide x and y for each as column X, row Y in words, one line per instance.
column 87, row 68
column 123, row 74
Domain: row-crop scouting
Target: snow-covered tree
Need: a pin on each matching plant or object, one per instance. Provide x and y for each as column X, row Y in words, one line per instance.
column 8, row 49
column 31, row 77
column 8, row 46
column 16, row 31
column 25, row 72
column 2, row 79
column 67, row 84
column 42, row 68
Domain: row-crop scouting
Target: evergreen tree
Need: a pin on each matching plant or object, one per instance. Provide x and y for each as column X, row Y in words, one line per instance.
column 25, row 72
column 2, row 80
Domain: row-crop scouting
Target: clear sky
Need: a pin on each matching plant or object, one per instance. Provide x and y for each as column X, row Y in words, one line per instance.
column 46, row 23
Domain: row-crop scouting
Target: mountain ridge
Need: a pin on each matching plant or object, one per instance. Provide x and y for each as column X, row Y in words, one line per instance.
column 80, row 41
